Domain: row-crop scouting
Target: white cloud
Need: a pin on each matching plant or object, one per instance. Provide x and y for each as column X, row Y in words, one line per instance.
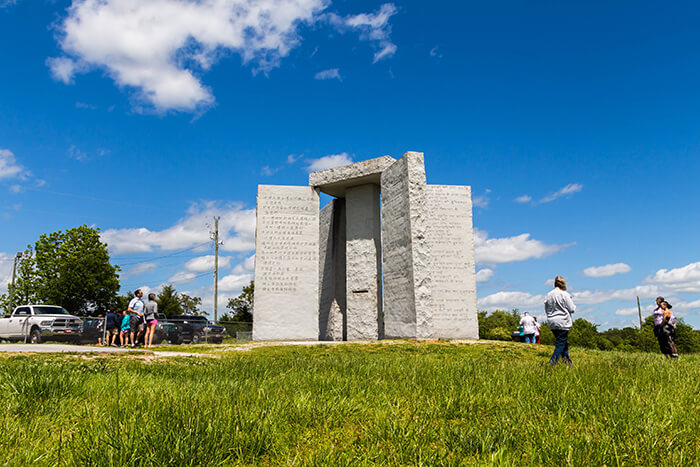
column 160, row 47
column 484, row 275
column 246, row 266
column 567, row 190
column 373, row 27
column 435, row 52
column 510, row 300
column 83, row 105
column 333, row 73
column 695, row 304
column 328, row 162
column 508, row 249
column 63, row 68
column 9, row 168
column 182, row 277
column 683, row 279
column 607, row 270
column 482, row 201
column 140, row 268
column 6, row 3
column 523, row 199
column 77, row 154
column 206, row 263
column 234, row 282
column 292, row 158
column 633, row 310
column 236, row 230
column 591, row 297
column 268, row 171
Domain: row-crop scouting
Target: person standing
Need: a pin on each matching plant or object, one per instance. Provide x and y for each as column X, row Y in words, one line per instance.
column 151, row 315
column 529, row 328
column 558, row 306
column 112, row 328
column 537, row 333
column 664, row 328
column 136, row 310
column 125, row 329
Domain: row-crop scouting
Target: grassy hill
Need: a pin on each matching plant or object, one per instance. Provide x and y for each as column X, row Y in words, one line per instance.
column 389, row 403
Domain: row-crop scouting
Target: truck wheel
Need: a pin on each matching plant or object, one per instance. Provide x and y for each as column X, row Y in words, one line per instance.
column 35, row 337
column 196, row 338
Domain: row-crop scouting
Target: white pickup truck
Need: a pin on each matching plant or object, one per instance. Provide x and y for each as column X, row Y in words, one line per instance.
column 32, row 323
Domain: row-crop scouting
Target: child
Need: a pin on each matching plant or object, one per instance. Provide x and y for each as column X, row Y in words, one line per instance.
column 126, row 329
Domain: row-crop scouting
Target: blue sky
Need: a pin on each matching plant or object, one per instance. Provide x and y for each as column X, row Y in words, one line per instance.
column 576, row 126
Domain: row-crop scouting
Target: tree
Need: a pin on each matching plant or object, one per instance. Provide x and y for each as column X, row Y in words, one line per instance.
column 584, row 334
column 241, row 306
column 499, row 325
column 168, row 301
column 70, row 269
column 190, row 305
column 122, row 301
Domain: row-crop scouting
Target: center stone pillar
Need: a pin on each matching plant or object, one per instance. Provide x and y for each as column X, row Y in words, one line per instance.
column 363, row 263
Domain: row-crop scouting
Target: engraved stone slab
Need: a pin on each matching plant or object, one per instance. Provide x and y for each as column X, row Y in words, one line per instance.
column 363, row 263
column 336, row 180
column 286, row 264
column 452, row 271
column 407, row 300
column 332, row 308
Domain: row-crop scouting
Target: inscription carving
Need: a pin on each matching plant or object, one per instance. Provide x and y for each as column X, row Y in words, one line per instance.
column 286, row 263
column 451, row 255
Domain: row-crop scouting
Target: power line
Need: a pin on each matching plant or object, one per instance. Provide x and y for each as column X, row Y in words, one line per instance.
column 154, row 283
column 164, row 256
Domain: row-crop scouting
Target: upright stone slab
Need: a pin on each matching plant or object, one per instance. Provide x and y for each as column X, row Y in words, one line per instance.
column 363, row 263
column 407, row 304
column 286, row 264
column 332, row 307
column 450, row 239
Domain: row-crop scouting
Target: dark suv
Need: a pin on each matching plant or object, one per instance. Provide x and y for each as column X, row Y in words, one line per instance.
column 197, row 329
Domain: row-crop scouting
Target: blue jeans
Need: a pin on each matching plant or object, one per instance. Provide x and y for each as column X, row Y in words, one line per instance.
column 529, row 338
column 561, row 347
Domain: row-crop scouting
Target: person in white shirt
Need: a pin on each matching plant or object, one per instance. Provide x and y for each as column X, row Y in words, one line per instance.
column 559, row 306
column 529, row 328
column 136, row 309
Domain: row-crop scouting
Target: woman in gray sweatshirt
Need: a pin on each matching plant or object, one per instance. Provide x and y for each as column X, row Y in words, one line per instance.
column 559, row 306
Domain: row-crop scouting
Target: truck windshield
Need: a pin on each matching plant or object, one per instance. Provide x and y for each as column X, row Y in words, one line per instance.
column 49, row 310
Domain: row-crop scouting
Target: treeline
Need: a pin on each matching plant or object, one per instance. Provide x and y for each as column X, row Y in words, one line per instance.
column 500, row 325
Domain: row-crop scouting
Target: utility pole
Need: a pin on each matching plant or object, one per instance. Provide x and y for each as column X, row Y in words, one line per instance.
column 18, row 256
column 216, row 267
column 639, row 308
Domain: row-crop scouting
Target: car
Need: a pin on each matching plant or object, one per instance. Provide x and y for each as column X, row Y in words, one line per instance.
column 166, row 331
column 196, row 329
column 34, row 323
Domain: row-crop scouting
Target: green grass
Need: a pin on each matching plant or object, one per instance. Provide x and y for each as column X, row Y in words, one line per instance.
column 402, row 404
